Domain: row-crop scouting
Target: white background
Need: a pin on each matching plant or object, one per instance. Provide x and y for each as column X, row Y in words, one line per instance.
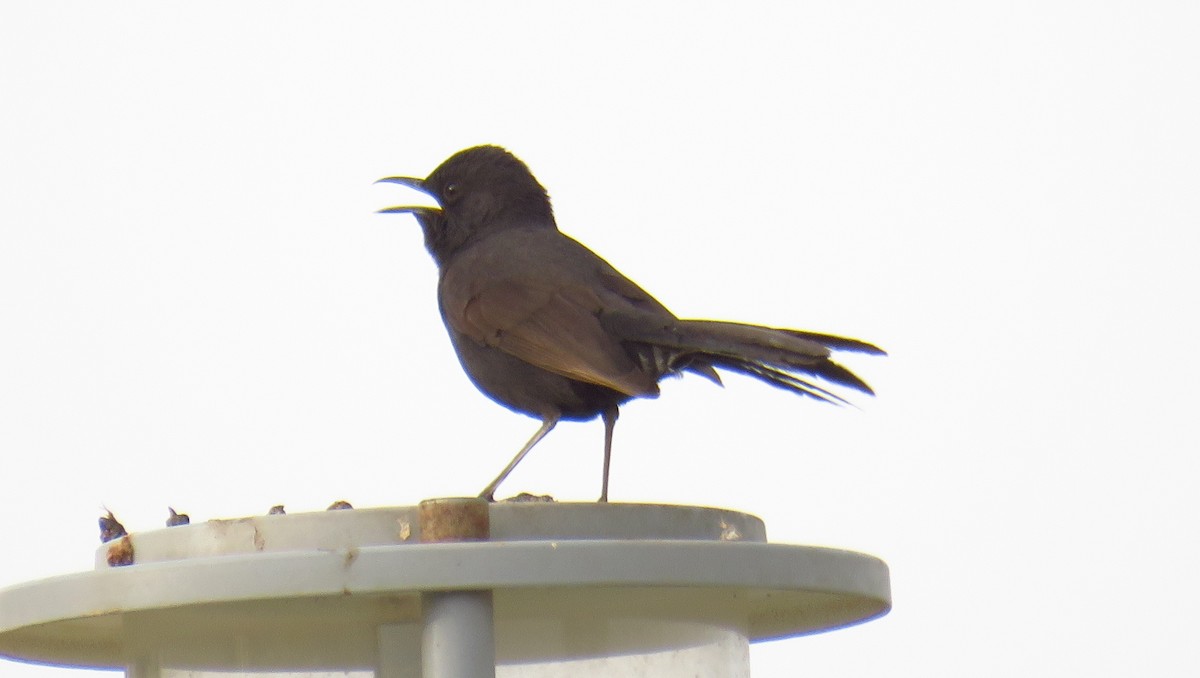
column 199, row 308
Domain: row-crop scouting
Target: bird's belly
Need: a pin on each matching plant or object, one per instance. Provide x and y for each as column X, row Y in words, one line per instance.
column 529, row 389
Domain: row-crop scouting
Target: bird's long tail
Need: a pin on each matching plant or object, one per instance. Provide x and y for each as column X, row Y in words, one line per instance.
column 789, row 359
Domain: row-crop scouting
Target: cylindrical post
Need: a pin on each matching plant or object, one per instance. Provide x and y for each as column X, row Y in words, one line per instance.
column 457, row 639
column 143, row 666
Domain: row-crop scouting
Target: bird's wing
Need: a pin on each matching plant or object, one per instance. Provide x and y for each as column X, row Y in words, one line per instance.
column 555, row 328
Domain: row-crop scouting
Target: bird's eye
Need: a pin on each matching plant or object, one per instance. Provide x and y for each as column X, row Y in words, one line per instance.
column 451, row 191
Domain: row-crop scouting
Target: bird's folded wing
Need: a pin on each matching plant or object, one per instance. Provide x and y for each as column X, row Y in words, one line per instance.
column 555, row 329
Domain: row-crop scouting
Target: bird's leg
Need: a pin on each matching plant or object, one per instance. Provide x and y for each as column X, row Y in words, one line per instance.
column 547, row 424
column 610, row 421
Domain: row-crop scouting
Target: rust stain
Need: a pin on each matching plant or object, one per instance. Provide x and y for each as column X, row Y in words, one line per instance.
column 120, row 553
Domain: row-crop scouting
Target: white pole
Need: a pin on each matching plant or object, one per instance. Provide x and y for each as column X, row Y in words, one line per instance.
column 457, row 640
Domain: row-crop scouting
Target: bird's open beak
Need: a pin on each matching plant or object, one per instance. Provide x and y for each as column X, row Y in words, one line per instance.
column 413, row 183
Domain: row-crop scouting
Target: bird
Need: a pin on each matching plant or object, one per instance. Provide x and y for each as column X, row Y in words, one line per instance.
column 110, row 527
column 546, row 327
column 175, row 519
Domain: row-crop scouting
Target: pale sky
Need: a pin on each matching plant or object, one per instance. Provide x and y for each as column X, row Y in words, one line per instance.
column 201, row 309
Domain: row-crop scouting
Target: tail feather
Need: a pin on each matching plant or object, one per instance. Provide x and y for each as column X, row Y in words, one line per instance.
column 782, row 380
column 838, row 343
column 776, row 356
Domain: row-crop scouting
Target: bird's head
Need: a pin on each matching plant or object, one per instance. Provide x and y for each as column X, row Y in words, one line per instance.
column 478, row 191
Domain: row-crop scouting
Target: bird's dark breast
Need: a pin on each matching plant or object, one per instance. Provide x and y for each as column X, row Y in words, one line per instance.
column 527, row 388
